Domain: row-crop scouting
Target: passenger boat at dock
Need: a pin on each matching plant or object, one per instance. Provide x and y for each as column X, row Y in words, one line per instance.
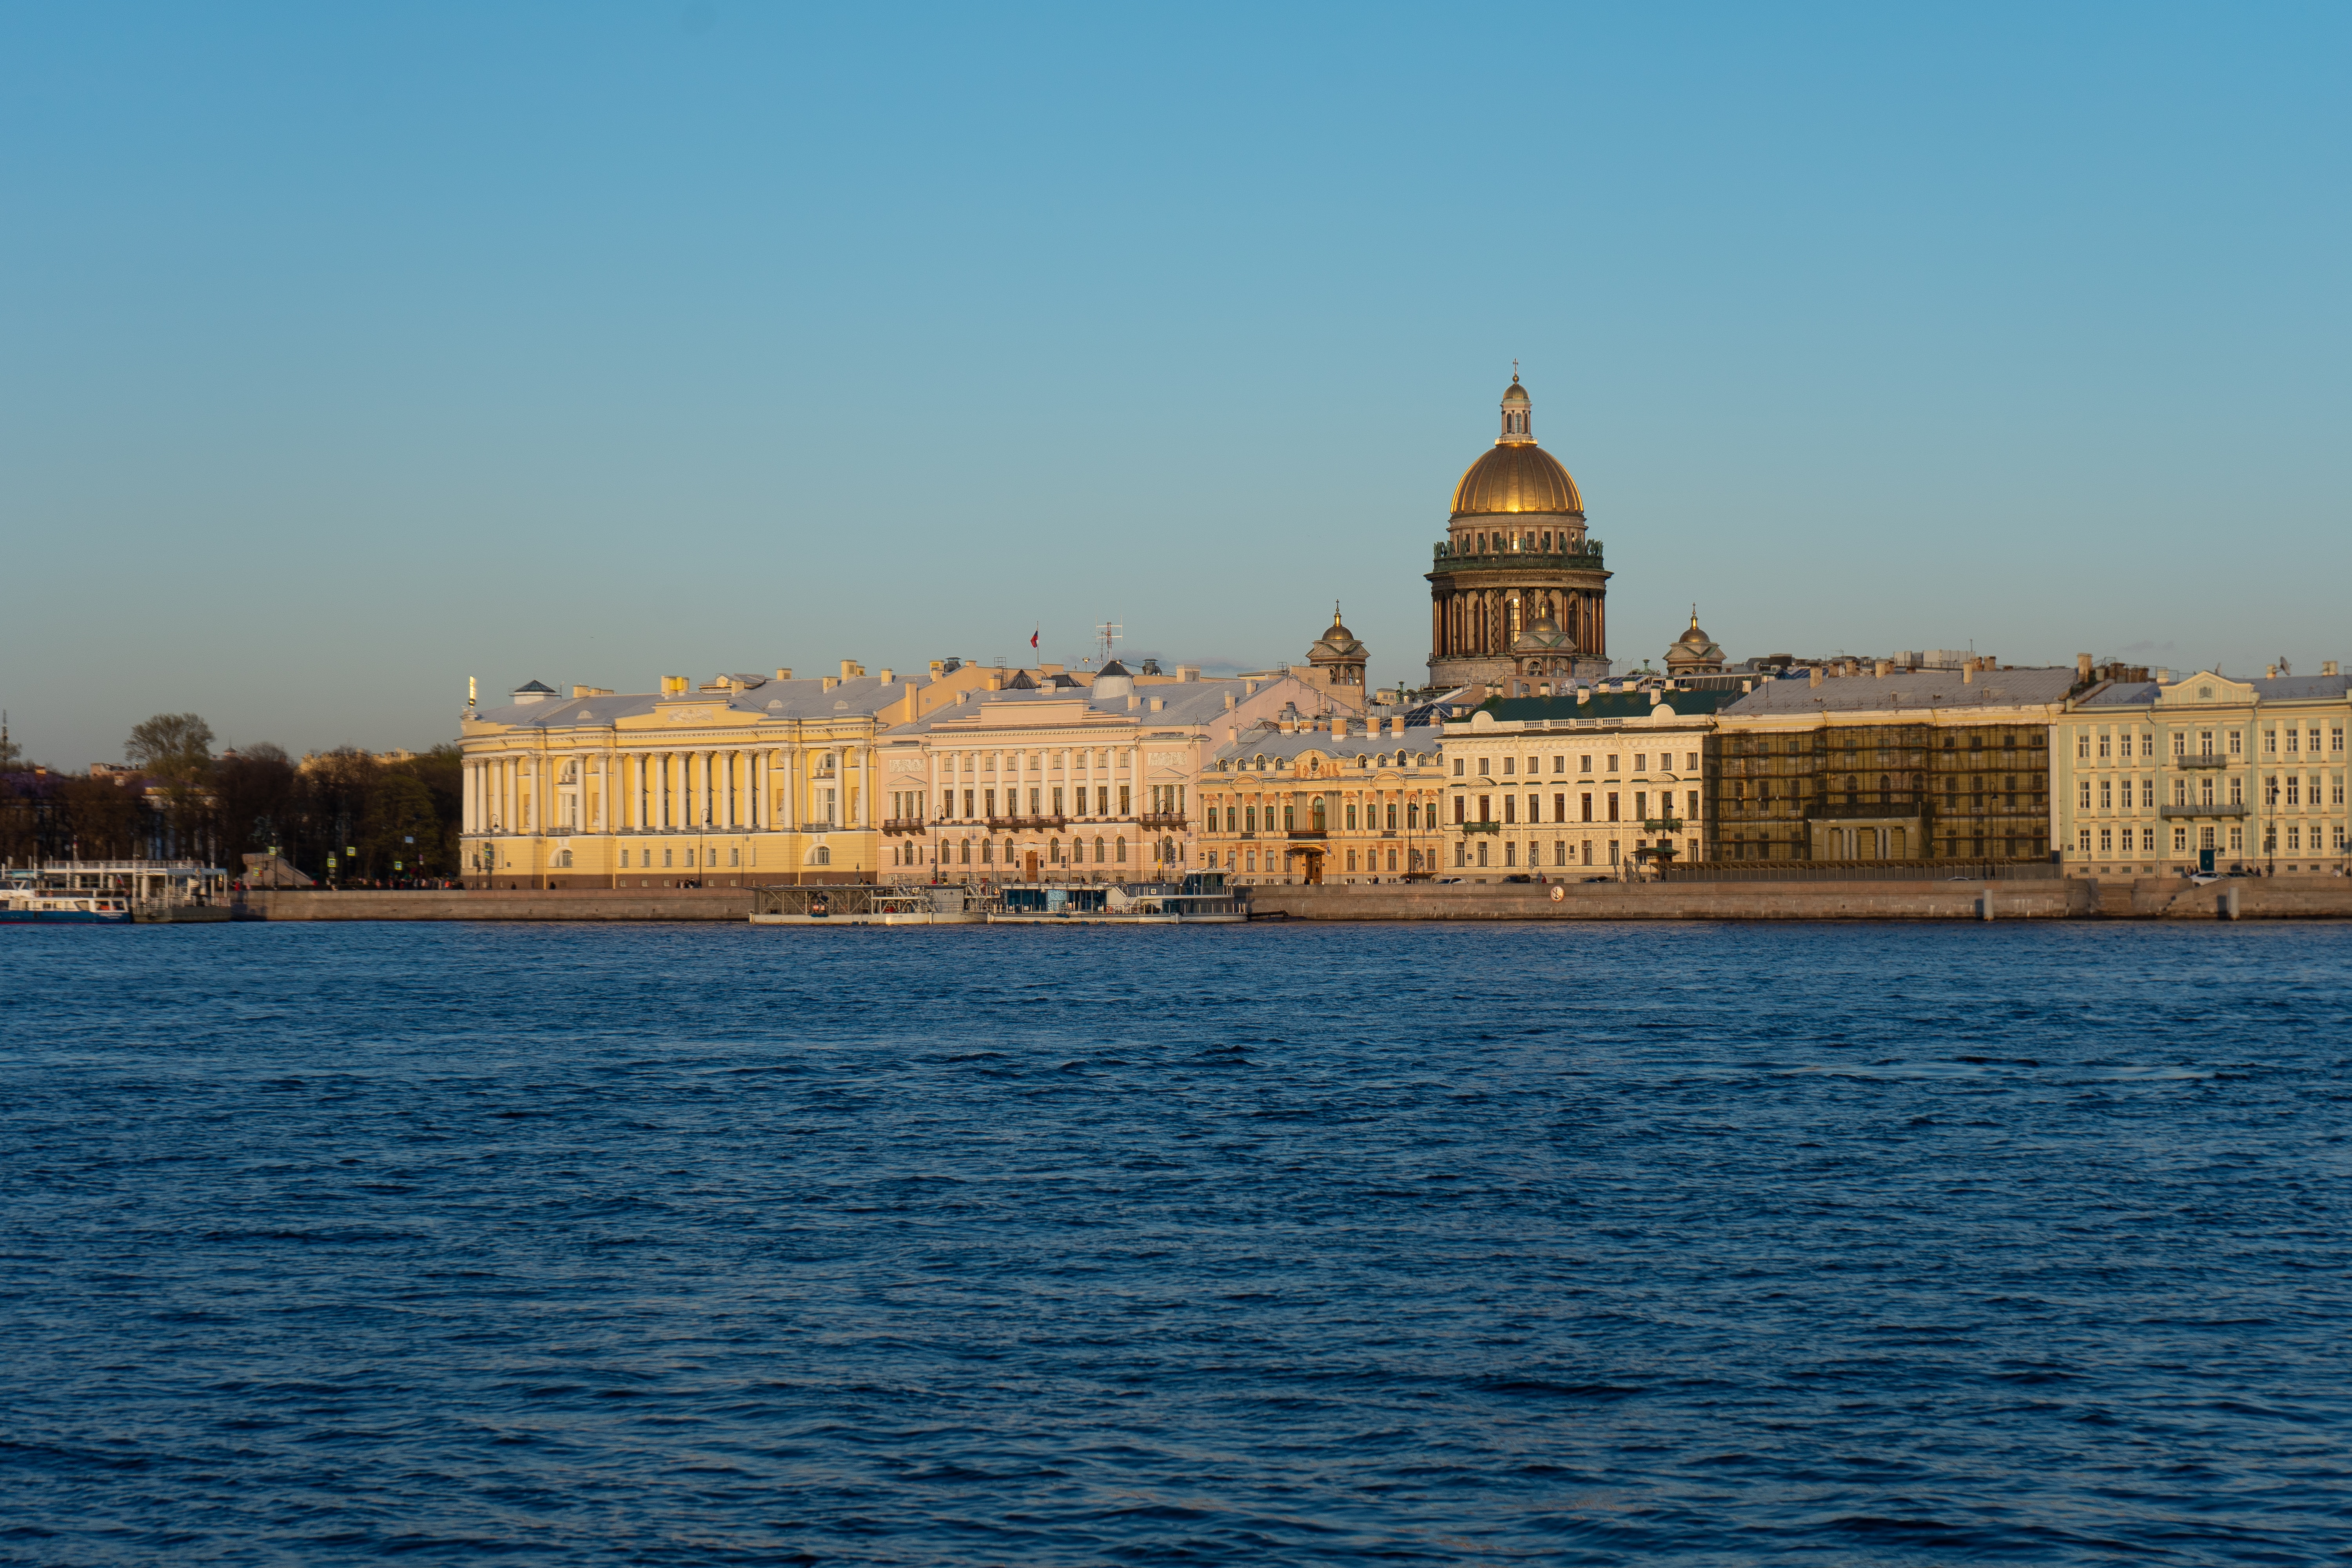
column 24, row 902
column 1201, row 898
column 112, row 892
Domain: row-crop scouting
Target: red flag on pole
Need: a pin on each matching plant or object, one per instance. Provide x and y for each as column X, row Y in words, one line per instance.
column 1032, row 638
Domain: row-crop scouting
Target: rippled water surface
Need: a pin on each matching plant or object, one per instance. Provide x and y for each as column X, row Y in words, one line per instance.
column 1559, row 1244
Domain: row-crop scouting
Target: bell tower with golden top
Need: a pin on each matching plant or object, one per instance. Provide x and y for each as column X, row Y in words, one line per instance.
column 1518, row 592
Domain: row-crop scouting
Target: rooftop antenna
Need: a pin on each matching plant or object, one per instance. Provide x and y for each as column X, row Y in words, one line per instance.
column 1106, row 634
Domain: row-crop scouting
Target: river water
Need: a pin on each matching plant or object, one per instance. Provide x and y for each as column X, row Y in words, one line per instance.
column 1668, row 1244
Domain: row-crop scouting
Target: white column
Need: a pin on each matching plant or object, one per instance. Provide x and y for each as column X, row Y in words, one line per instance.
column 466, row 799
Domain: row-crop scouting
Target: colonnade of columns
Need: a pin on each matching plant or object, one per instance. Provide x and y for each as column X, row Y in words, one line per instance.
column 1476, row 622
column 748, row 789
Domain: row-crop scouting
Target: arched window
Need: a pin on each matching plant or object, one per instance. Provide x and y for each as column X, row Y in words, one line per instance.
column 1119, row 847
column 1099, row 851
column 1317, row 813
column 966, row 852
column 824, row 856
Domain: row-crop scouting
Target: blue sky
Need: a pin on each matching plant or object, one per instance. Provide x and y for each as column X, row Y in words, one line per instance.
column 348, row 353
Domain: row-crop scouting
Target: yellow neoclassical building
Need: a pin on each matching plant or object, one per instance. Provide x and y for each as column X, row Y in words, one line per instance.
column 744, row 780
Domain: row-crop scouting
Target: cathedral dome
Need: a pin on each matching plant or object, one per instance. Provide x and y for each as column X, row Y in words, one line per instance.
column 1515, row 478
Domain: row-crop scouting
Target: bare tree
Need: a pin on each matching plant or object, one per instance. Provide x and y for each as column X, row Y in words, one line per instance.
column 176, row 746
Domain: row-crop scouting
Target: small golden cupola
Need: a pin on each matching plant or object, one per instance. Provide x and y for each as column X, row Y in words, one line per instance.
column 1694, row 652
column 1340, row 658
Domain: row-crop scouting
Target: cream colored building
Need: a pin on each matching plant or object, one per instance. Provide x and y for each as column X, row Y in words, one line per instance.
column 2168, row 775
column 1083, row 783
column 744, row 780
column 1581, row 784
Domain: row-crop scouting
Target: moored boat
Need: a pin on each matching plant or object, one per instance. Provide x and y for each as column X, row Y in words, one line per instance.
column 52, row 906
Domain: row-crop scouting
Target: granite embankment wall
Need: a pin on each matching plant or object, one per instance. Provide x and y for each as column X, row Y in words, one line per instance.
column 2151, row 898
column 2053, row 900
column 553, row 904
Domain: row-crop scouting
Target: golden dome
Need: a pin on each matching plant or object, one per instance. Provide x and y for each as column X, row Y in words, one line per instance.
column 1514, row 478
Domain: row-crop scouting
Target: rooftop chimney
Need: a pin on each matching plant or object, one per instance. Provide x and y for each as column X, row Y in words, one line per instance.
column 1886, row 668
column 1339, row 728
column 672, row 685
column 1584, row 694
column 1396, row 725
column 849, row 667
column 2328, row 667
column 1187, row 672
column 2083, row 666
column 1968, row 673
column 1158, row 703
column 939, row 667
column 783, row 675
column 1229, row 699
column 1815, row 676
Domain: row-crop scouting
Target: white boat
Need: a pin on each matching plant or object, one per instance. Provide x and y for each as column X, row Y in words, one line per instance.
column 112, row 892
column 56, row 906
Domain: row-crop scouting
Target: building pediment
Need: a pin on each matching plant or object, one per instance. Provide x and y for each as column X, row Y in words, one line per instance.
column 705, row 714
column 2204, row 687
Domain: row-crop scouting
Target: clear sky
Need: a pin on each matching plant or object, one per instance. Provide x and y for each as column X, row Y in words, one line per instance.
column 348, row 351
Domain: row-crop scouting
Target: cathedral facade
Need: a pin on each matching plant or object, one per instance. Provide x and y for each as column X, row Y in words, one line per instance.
column 1518, row 592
